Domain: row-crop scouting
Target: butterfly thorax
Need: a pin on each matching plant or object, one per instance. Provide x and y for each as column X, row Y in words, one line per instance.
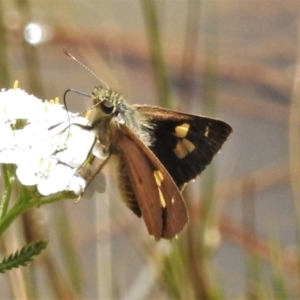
column 110, row 111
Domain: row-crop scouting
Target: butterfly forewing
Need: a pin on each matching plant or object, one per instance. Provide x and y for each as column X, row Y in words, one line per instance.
column 150, row 186
column 185, row 144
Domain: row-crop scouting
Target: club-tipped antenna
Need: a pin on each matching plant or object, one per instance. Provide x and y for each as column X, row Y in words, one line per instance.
column 85, row 67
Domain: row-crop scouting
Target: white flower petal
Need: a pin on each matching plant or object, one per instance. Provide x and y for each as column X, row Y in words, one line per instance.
column 78, row 147
column 48, row 147
column 25, row 177
column 6, row 136
column 58, row 180
column 77, row 185
column 17, row 104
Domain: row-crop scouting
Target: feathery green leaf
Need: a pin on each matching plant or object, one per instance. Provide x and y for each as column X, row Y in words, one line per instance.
column 22, row 257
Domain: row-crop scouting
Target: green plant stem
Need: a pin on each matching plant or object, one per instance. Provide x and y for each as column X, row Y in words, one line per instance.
column 209, row 216
column 21, row 206
column 8, row 181
column 57, row 197
column 4, row 58
column 294, row 148
column 156, row 52
column 189, row 55
column 68, row 249
column 30, row 54
column 12, row 214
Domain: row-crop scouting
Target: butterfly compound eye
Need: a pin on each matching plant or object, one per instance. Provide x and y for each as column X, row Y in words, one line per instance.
column 107, row 107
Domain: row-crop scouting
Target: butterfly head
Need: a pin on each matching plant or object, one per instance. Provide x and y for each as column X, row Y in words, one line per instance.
column 107, row 102
column 110, row 110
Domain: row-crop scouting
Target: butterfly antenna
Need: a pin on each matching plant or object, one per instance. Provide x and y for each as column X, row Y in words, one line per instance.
column 85, row 67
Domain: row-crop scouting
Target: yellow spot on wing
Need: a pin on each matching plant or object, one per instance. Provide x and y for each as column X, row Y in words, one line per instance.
column 183, row 148
column 206, row 131
column 158, row 177
column 180, row 150
column 188, row 145
column 182, row 130
column 161, row 198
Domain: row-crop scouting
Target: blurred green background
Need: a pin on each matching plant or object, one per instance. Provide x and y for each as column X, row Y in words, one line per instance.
column 235, row 60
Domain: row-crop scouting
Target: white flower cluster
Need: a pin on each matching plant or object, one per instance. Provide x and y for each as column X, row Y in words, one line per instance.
column 45, row 144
